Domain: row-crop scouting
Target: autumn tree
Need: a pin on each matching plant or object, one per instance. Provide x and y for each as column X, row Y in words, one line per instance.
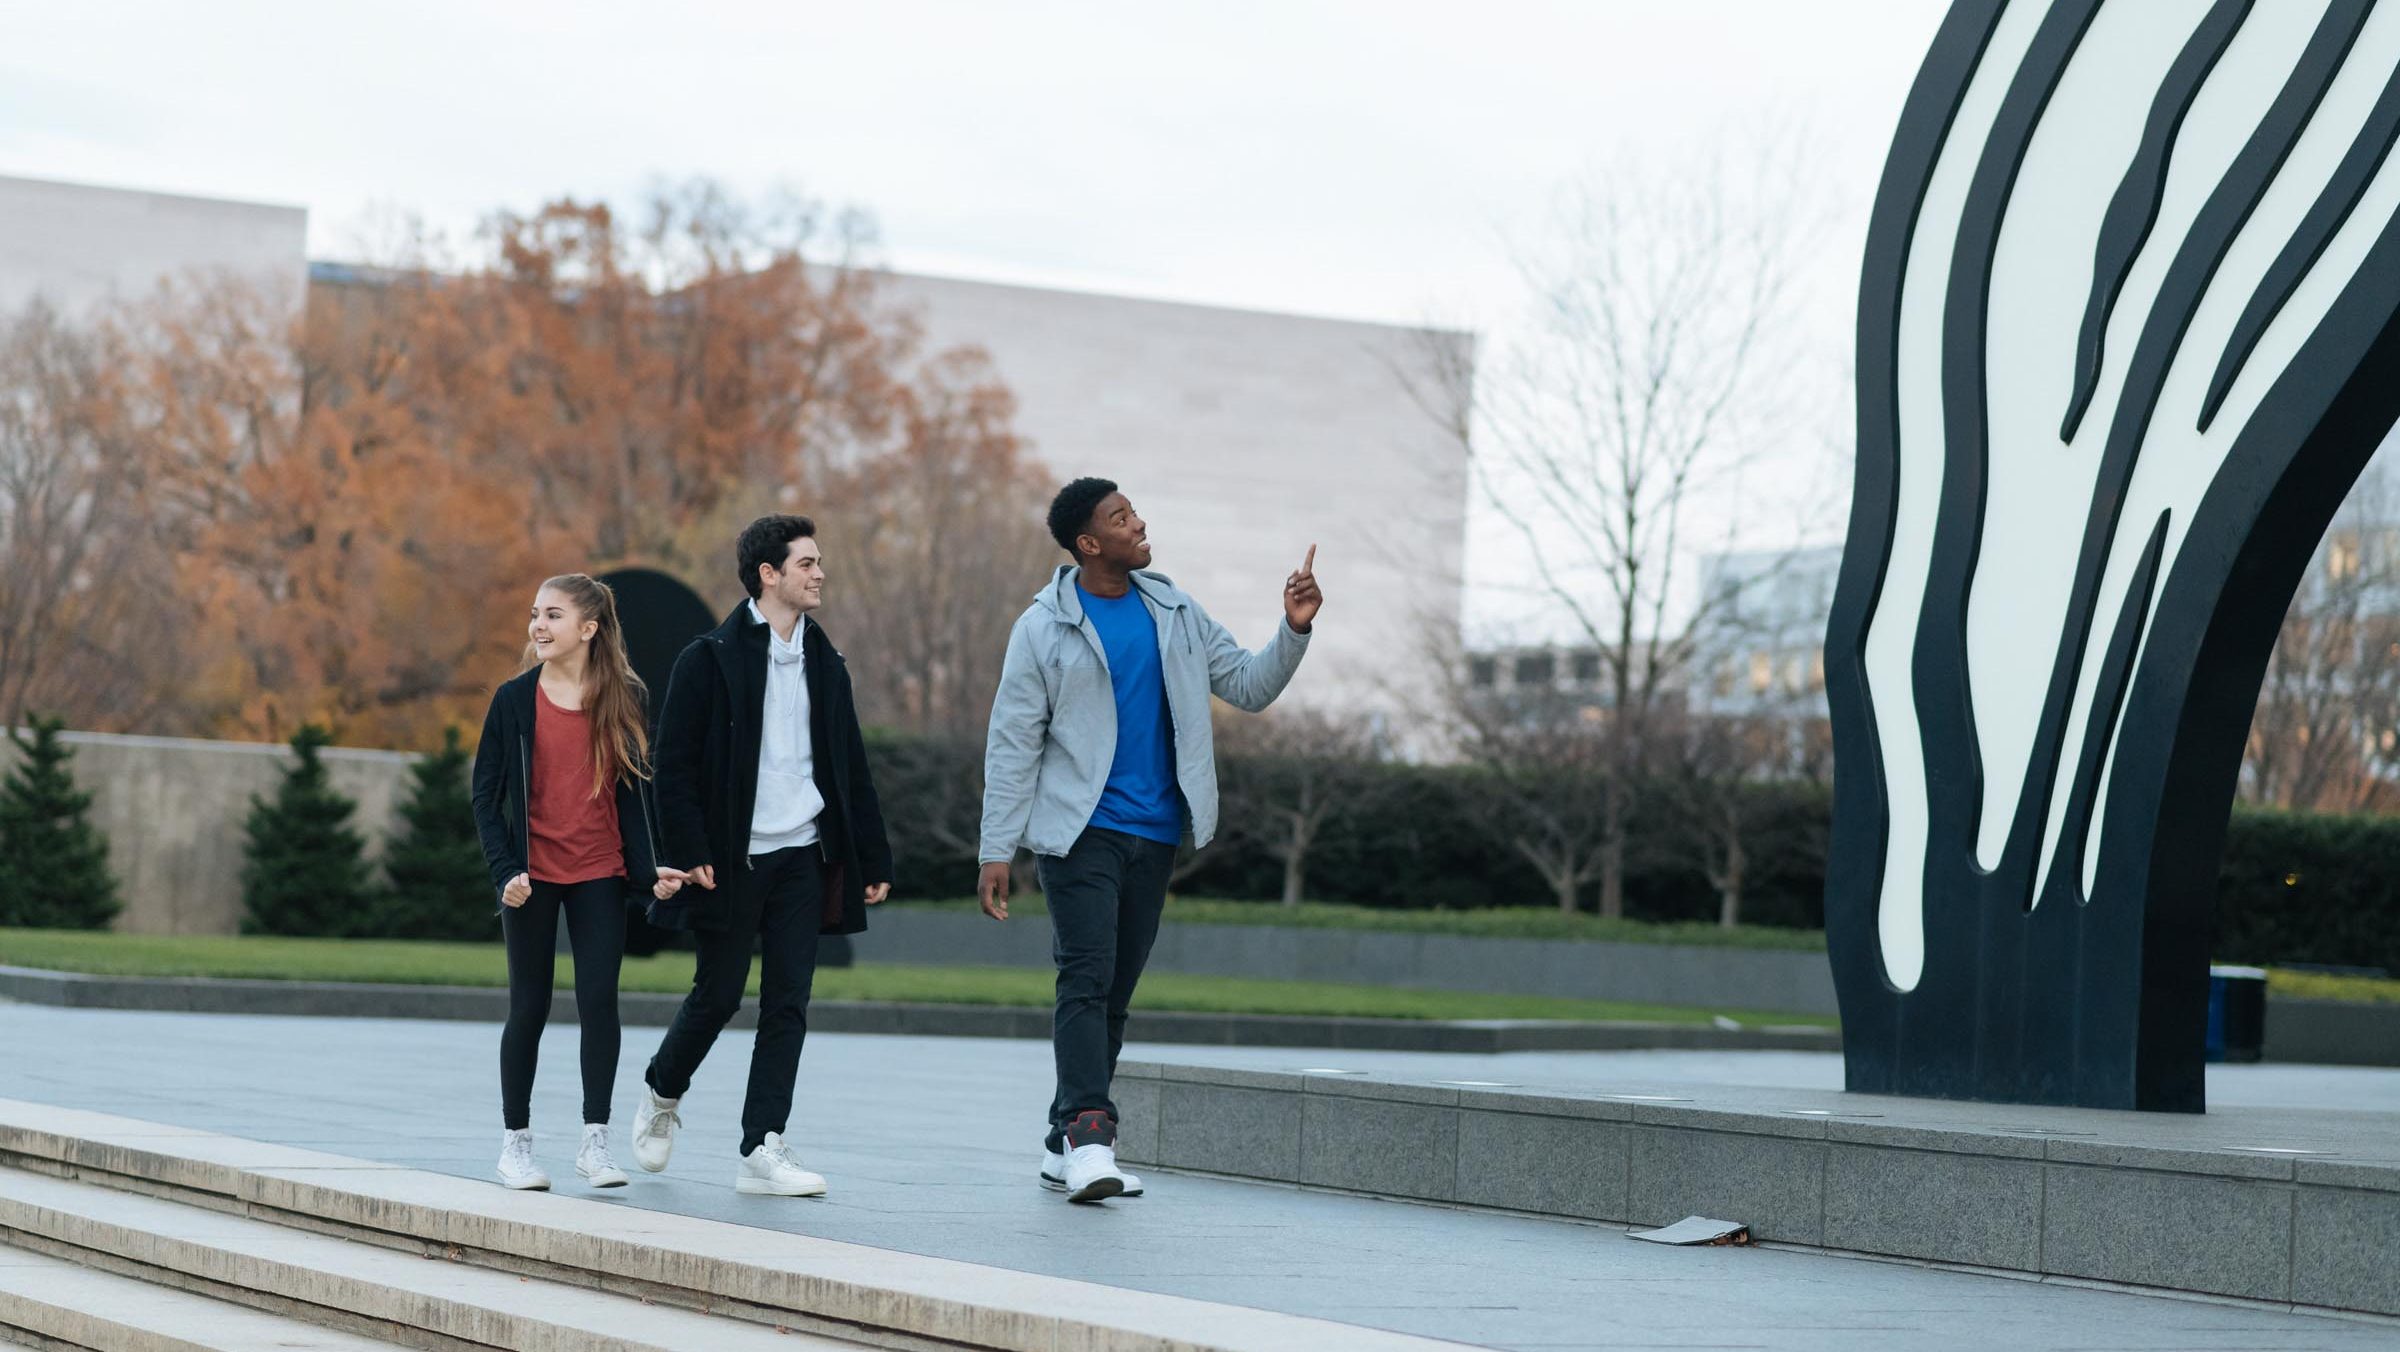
column 362, row 499
column 86, row 611
column 938, row 542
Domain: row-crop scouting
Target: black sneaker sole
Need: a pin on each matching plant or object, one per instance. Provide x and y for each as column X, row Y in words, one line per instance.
column 1053, row 1183
column 1099, row 1190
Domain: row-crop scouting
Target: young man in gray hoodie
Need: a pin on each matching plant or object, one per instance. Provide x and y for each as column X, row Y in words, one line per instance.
column 1100, row 760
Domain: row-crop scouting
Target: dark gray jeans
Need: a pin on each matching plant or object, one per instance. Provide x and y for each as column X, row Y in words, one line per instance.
column 787, row 885
column 1105, row 899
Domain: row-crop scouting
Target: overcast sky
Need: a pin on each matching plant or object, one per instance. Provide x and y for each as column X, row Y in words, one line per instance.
column 1360, row 158
column 1357, row 159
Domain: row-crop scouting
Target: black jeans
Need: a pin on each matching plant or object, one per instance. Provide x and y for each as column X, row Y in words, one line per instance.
column 786, row 890
column 596, row 928
column 1105, row 899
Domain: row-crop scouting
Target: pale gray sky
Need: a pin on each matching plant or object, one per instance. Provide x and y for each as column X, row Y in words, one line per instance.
column 1359, row 158
column 1345, row 157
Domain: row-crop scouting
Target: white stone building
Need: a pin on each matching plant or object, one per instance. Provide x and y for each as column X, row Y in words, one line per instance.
column 1241, row 437
column 74, row 246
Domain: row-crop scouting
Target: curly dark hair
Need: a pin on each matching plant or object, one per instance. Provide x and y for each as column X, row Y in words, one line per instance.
column 769, row 540
column 1071, row 511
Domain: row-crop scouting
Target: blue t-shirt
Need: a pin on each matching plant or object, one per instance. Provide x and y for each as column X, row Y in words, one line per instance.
column 1141, row 798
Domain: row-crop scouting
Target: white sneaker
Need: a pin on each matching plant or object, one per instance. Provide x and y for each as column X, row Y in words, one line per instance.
column 516, row 1168
column 654, row 1124
column 1091, row 1173
column 770, row 1169
column 1054, row 1175
column 593, row 1162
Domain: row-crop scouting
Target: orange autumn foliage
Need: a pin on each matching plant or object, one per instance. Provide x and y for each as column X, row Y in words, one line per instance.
column 359, row 500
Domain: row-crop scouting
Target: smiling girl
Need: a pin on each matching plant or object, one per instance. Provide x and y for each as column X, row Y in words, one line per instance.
column 562, row 804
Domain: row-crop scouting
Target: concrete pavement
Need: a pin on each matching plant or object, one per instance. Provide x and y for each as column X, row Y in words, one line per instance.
column 931, row 1146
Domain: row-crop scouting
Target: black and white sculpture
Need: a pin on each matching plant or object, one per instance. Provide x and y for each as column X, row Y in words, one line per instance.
column 2126, row 337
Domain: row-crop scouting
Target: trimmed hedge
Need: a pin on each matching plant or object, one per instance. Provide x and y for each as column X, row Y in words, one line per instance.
column 2296, row 887
column 2310, row 887
column 1420, row 849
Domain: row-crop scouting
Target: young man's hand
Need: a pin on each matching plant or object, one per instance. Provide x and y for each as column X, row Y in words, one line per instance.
column 670, row 881
column 705, row 875
column 991, row 888
column 877, row 892
column 1300, row 595
column 518, row 890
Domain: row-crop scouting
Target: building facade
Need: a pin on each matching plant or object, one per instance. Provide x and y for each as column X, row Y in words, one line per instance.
column 1761, row 646
column 1242, row 437
column 74, row 246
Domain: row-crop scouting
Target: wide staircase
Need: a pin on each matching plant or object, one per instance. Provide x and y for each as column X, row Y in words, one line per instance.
column 117, row 1234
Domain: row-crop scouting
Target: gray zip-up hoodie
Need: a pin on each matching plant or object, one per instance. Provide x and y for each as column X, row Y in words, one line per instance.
column 1054, row 719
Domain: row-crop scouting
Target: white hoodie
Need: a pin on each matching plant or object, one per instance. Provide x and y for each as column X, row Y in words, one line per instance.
column 788, row 804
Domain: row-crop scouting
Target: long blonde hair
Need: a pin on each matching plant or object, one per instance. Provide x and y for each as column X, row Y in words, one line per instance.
column 612, row 695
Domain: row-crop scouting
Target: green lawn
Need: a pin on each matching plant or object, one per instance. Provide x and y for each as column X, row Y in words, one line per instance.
column 2319, row 986
column 441, row 964
column 1500, row 922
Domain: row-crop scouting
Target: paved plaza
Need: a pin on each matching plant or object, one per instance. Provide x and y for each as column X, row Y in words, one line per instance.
column 930, row 1146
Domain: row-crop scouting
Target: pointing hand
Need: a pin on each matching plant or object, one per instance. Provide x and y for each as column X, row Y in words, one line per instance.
column 1300, row 595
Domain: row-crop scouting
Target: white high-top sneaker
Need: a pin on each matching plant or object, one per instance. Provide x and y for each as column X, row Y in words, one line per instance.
column 597, row 1166
column 1054, row 1174
column 516, row 1167
column 770, row 1169
column 654, row 1123
column 1092, row 1173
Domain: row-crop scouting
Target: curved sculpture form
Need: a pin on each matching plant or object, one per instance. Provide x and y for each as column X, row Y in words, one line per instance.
column 659, row 615
column 2126, row 336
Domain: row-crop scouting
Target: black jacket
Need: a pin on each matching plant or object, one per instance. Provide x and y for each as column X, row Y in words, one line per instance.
column 504, row 774
column 708, row 740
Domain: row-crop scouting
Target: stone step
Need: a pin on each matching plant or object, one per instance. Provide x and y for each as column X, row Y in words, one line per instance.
column 63, row 1304
column 766, row 1278
column 362, row 1288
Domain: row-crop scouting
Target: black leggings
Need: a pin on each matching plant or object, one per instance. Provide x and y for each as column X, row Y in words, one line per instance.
column 596, row 927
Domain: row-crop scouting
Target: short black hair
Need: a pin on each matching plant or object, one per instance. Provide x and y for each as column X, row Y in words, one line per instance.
column 769, row 540
column 1072, row 510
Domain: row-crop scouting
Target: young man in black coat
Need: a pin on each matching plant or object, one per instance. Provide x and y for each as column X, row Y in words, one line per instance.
column 765, row 800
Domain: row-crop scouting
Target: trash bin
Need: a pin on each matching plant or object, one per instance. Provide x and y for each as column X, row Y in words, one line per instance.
column 2237, row 1012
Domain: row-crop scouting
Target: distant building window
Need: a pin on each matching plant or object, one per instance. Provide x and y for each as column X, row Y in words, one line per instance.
column 1762, row 672
column 1483, row 672
column 1536, row 669
column 2342, row 559
column 1587, row 667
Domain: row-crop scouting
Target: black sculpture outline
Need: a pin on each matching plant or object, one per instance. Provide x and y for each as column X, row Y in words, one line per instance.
column 2100, row 1004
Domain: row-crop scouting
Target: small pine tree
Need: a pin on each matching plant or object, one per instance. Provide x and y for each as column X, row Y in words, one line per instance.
column 53, row 861
column 306, row 871
column 439, row 887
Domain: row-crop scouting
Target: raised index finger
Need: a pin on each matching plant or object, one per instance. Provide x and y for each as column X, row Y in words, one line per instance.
column 1309, row 564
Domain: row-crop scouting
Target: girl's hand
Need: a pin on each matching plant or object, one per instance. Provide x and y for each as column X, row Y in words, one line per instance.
column 670, row 881
column 518, row 891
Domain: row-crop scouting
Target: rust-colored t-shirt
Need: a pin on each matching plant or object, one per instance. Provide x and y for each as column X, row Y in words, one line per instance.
column 572, row 835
